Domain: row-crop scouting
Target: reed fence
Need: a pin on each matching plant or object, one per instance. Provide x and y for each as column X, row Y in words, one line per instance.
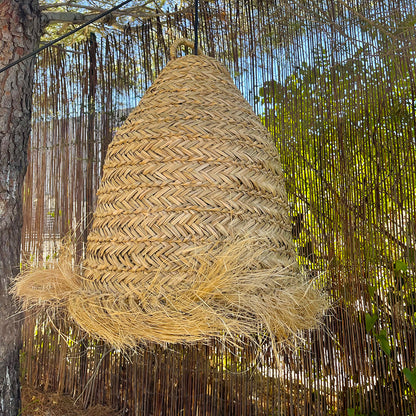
column 334, row 81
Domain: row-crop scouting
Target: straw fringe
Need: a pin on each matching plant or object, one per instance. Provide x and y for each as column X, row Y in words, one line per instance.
column 225, row 299
column 51, row 286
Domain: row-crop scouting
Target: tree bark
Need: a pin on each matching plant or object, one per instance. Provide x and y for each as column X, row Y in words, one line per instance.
column 19, row 35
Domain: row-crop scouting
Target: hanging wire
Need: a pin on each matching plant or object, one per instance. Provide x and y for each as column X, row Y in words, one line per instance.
column 47, row 45
column 196, row 28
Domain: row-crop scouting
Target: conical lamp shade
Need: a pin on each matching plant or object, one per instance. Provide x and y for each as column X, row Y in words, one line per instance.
column 191, row 237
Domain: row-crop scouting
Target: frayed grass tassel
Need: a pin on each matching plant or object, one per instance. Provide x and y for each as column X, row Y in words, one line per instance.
column 222, row 296
column 51, row 286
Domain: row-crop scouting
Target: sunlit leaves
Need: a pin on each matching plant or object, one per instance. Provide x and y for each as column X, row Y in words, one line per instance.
column 410, row 376
column 384, row 341
column 370, row 321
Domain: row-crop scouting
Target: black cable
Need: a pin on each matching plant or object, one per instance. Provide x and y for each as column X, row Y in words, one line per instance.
column 47, row 45
column 196, row 28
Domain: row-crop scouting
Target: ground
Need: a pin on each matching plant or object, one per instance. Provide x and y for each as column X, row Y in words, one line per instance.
column 38, row 403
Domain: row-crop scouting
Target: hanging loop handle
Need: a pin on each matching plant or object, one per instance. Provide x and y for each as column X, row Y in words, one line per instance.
column 179, row 42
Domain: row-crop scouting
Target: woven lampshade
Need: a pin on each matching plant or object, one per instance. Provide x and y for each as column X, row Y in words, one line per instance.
column 191, row 237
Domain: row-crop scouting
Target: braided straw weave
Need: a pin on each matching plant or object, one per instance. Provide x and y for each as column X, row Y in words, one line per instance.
column 191, row 236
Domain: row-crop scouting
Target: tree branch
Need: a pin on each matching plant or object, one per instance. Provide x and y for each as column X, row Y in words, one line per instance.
column 66, row 17
column 74, row 17
column 78, row 16
column 95, row 9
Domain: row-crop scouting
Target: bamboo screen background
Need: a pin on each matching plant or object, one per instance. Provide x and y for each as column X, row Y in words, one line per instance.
column 335, row 83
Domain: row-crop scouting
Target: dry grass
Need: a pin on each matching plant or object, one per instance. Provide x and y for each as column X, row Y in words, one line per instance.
column 228, row 294
column 38, row 403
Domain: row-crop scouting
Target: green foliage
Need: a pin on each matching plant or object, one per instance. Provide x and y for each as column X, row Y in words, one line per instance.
column 351, row 126
column 383, row 341
column 370, row 321
column 411, row 377
column 352, row 412
column 381, row 336
column 372, row 290
column 400, row 266
column 345, row 129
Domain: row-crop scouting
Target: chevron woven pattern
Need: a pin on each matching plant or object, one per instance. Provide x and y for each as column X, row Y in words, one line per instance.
column 191, row 237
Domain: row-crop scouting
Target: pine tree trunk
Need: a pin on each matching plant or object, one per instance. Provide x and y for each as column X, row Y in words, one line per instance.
column 19, row 35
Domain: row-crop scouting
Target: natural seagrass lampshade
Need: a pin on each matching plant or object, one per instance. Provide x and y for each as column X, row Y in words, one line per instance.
column 191, row 237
